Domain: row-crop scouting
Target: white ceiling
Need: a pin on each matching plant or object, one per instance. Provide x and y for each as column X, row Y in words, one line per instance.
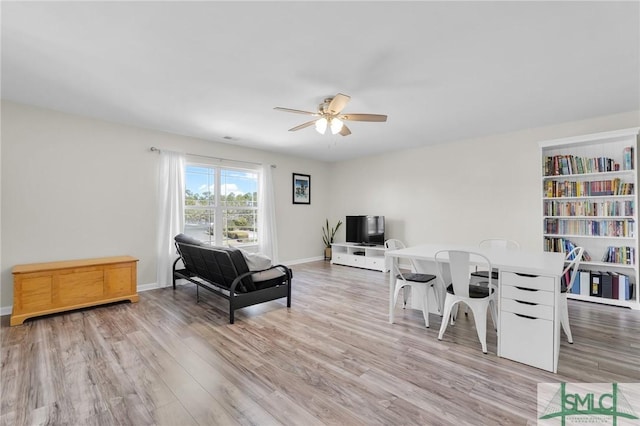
column 441, row 71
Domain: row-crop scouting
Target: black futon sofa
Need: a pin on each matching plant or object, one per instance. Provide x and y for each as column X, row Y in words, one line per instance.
column 224, row 271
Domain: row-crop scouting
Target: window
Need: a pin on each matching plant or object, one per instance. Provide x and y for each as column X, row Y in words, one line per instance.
column 221, row 205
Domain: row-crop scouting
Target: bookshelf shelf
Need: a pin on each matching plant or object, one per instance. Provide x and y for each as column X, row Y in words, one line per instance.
column 598, row 175
column 599, row 237
column 592, row 197
column 607, row 265
column 589, row 194
column 591, row 217
column 624, row 303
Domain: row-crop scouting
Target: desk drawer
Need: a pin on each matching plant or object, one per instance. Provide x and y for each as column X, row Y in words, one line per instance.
column 531, row 310
column 535, row 282
column 527, row 340
column 527, row 295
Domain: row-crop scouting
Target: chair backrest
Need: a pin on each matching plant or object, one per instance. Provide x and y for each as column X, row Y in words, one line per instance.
column 393, row 244
column 499, row 243
column 574, row 257
column 459, row 263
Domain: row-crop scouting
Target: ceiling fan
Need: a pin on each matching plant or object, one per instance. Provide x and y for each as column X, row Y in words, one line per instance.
column 331, row 116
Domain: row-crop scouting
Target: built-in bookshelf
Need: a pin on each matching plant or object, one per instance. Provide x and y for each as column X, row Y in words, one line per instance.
column 590, row 199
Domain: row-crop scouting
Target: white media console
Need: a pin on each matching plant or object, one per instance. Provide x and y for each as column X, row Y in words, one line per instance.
column 359, row 255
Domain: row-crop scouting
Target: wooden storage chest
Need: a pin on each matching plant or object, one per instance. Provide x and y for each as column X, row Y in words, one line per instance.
column 46, row 288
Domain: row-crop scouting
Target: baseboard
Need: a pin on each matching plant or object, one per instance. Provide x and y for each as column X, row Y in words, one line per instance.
column 298, row 261
column 145, row 287
column 6, row 310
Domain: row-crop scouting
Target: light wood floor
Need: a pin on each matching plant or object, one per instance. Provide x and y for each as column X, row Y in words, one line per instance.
column 330, row 359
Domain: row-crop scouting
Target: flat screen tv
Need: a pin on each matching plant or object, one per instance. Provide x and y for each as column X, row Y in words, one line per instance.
column 368, row 230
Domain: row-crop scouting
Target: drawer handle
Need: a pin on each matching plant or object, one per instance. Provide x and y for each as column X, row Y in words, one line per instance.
column 526, row 316
column 526, row 303
column 526, row 275
column 526, row 289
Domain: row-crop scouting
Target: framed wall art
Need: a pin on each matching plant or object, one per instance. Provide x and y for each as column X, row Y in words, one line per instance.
column 301, row 189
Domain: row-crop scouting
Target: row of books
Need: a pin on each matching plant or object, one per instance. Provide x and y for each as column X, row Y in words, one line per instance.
column 571, row 164
column 554, row 189
column 558, row 165
column 609, row 285
column 622, row 255
column 589, row 208
column 600, row 228
column 562, row 245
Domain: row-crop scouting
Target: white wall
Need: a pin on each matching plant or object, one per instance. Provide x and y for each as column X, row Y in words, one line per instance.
column 461, row 192
column 74, row 187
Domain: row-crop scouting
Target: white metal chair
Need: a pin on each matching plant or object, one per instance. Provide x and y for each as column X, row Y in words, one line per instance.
column 499, row 243
column 419, row 283
column 479, row 276
column 479, row 298
column 572, row 259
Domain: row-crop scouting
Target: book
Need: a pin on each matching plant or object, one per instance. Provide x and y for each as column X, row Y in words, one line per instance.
column 627, row 158
column 624, row 287
column 615, row 285
column 595, row 290
column 585, row 279
column 606, row 285
column 575, row 288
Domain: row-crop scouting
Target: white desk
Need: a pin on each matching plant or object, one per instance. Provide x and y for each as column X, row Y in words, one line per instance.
column 529, row 325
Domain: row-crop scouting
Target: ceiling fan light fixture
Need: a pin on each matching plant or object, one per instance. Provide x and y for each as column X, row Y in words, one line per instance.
column 321, row 125
column 336, row 125
column 328, row 113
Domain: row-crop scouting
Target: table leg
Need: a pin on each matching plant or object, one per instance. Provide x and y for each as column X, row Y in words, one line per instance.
column 392, row 279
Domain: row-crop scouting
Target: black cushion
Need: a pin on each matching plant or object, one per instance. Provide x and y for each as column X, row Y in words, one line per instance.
column 485, row 274
column 475, row 291
column 268, row 278
column 241, row 266
column 182, row 238
column 418, row 278
column 230, row 263
column 219, row 265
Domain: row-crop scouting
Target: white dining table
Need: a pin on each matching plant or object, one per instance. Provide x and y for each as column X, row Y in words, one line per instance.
column 523, row 263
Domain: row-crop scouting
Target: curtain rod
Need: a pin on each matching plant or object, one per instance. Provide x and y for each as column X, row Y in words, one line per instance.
column 159, row 151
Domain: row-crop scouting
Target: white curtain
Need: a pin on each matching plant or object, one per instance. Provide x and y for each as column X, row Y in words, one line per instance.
column 170, row 212
column 267, row 235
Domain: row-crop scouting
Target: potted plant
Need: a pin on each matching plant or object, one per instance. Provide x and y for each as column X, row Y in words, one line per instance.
column 327, row 237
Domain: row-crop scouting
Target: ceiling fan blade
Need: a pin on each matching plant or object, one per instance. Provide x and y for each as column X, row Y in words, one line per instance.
column 338, row 103
column 363, row 117
column 297, row 111
column 345, row 130
column 303, row 125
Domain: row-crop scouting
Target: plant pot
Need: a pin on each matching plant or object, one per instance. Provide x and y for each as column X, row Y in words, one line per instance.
column 327, row 253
